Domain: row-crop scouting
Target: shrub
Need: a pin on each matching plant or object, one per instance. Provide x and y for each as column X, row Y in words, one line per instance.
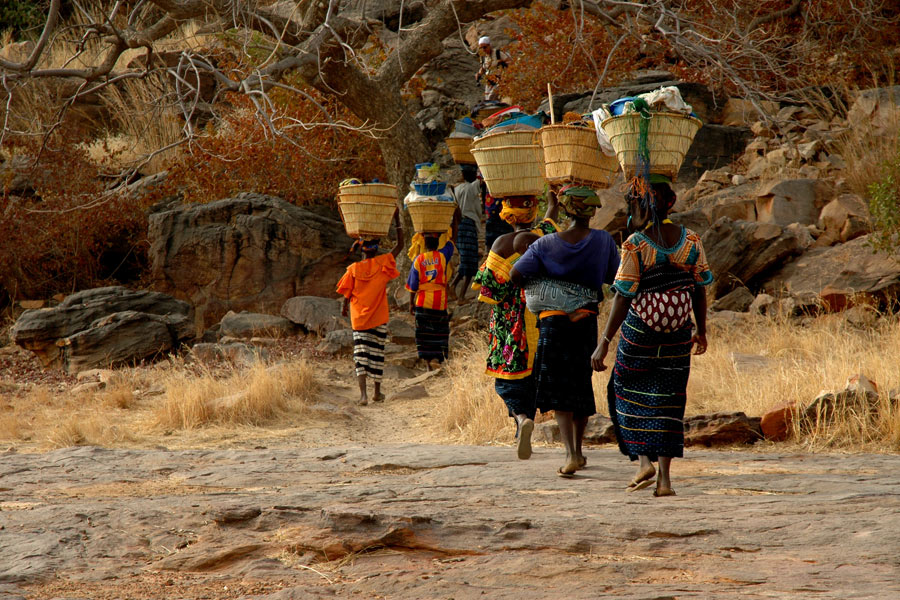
column 884, row 204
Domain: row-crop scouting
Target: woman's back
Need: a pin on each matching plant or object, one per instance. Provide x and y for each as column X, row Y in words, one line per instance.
column 590, row 261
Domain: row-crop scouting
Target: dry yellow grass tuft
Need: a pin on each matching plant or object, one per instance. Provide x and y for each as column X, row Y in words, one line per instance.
column 751, row 368
column 473, row 413
column 248, row 398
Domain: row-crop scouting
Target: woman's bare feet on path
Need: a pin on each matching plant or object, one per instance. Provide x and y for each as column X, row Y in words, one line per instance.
column 569, row 469
column 663, row 491
column 642, row 478
column 582, row 461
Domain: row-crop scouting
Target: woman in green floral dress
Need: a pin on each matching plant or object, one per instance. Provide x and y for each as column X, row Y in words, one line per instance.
column 513, row 328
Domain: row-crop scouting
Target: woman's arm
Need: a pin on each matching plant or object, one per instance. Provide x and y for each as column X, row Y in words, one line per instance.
column 552, row 206
column 699, row 301
column 617, row 315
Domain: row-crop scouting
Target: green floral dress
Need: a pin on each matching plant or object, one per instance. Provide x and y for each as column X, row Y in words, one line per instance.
column 513, row 328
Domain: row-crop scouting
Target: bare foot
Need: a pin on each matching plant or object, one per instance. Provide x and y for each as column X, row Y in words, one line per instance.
column 582, row 461
column 661, row 491
column 524, row 447
column 642, row 476
column 569, row 469
column 379, row 397
column 363, row 401
column 434, row 364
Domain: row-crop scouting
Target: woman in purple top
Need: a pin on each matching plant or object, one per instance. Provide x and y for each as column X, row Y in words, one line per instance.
column 580, row 259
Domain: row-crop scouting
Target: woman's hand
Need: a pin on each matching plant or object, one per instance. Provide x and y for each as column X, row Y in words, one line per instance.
column 599, row 356
column 699, row 341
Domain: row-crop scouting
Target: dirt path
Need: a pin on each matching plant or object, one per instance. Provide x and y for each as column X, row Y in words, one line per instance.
column 423, row 522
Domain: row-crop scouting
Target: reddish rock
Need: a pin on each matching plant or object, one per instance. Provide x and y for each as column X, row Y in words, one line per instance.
column 776, row 424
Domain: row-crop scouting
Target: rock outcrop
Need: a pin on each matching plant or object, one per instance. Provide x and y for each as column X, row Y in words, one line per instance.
column 741, row 252
column 250, row 252
column 104, row 326
column 315, row 314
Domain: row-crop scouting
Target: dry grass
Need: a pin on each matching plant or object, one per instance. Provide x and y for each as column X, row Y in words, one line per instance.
column 472, row 412
column 252, row 398
column 793, row 363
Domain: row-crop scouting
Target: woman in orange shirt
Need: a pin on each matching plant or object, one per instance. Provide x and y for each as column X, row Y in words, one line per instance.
column 364, row 288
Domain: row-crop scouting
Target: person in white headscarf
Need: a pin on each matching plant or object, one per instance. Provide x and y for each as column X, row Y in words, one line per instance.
column 493, row 62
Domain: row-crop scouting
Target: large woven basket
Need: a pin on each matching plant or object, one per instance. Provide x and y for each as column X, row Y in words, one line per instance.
column 510, row 162
column 572, row 155
column 367, row 209
column 668, row 140
column 461, row 150
column 431, row 216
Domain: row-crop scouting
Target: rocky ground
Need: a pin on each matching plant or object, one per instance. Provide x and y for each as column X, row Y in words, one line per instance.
column 426, row 521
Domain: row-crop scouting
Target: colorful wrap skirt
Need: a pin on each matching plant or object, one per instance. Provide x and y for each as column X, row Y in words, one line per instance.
column 647, row 389
column 562, row 364
column 432, row 333
column 467, row 244
column 518, row 395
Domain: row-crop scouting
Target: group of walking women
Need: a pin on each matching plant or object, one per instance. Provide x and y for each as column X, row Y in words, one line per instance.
column 546, row 286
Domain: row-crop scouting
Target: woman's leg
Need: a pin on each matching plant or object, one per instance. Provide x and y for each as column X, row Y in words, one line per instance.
column 664, row 483
column 580, row 426
column 363, row 396
column 566, row 423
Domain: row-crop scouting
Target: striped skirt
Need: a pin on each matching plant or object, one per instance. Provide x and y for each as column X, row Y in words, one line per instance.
column 368, row 351
column 467, row 243
column 432, row 333
column 647, row 389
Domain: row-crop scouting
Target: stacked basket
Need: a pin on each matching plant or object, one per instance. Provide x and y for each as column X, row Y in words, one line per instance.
column 367, row 208
column 430, row 209
column 669, row 137
column 572, row 155
column 510, row 163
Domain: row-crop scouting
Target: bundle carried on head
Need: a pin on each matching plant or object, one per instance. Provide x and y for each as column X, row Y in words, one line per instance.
column 367, row 209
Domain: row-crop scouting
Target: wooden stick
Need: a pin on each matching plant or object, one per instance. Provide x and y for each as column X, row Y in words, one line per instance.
column 550, row 96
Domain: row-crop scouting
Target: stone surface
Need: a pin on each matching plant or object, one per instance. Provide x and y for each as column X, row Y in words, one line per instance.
column 837, row 214
column 792, row 201
column 738, row 300
column 249, row 252
column 401, row 331
column 315, row 314
column 249, row 325
column 742, row 252
column 336, row 342
column 105, row 326
column 839, row 274
column 411, row 522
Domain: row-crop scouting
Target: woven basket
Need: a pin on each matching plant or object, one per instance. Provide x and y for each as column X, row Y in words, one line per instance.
column 511, row 163
column 461, row 150
column 572, row 155
column 669, row 139
column 431, row 216
column 367, row 209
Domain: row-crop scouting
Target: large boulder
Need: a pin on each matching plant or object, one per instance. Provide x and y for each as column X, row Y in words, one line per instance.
column 249, row 325
column 250, row 252
column 792, row 201
column 103, row 327
column 743, row 252
column 845, row 218
column 840, row 274
column 315, row 314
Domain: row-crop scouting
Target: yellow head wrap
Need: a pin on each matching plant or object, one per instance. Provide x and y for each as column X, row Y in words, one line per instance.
column 514, row 216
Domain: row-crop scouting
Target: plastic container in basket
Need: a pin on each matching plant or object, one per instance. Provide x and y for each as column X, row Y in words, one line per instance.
column 463, row 127
column 572, row 155
column 669, row 138
column 367, row 209
column 511, row 163
column 431, row 216
column 433, row 188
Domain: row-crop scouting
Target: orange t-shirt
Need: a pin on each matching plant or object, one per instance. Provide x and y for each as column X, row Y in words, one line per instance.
column 365, row 283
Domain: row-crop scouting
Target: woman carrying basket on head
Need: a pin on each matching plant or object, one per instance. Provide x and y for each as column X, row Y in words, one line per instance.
column 565, row 272
column 659, row 284
column 364, row 288
column 513, row 330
